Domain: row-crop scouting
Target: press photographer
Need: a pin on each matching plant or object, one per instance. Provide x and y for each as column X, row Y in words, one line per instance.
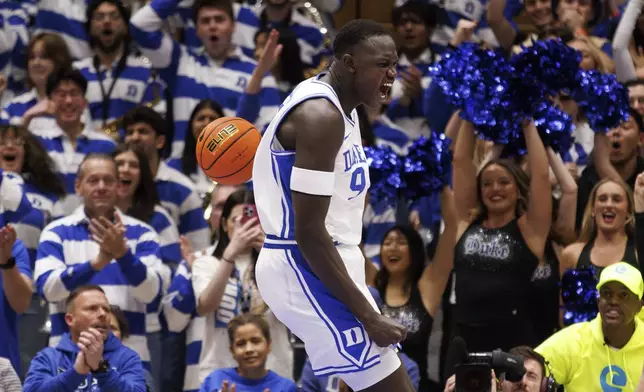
column 522, row 369
column 606, row 353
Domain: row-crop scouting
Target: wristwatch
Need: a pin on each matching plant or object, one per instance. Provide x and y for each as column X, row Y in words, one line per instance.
column 11, row 262
column 103, row 367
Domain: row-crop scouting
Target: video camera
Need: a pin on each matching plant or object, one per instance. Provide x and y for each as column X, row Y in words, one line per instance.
column 474, row 370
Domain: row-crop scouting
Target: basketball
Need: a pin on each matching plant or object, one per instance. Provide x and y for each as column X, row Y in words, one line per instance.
column 226, row 150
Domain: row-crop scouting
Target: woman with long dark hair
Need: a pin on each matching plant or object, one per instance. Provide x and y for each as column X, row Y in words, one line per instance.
column 137, row 197
column 224, row 284
column 203, row 114
column 412, row 289
column 22, row 155
column 502, row 234
column 46, row 54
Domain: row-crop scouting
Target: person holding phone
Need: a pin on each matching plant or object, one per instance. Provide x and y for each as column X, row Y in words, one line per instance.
column 224, row 284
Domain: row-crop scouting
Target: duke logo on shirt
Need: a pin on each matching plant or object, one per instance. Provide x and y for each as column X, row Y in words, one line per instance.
column 613, row 379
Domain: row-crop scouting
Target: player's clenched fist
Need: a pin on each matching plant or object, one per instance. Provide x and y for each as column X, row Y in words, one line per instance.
column 383, row 330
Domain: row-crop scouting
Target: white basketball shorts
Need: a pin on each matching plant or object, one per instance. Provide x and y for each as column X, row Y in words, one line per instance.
column 335, row 341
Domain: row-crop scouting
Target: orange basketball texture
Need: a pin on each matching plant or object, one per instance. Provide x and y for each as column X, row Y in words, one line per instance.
column 226, row 149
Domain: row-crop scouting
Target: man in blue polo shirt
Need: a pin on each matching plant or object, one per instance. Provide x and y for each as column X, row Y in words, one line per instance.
column 15, row 292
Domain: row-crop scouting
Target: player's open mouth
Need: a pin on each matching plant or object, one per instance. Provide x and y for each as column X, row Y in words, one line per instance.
column 384, row 90
column 9, row 157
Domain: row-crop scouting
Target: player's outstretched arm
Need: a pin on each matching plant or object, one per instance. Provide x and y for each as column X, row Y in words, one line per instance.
column 318, row 128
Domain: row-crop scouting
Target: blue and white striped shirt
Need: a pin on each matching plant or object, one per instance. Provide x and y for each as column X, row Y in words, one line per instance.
column 411, row 118
column 180, row 310
column 309, row 37
column 14, row 204
column 14, row 37
column 178, row 196
column 170, row 252
column 67, row 19
column 29, row 227
column 68, row 158
column 193, row 76
column 136, row 85
column 15, row 110
column 64, row 260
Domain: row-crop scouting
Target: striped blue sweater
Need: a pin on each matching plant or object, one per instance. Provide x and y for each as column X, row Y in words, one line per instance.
column 64, row 263
column 15, row 109
column 136, row 85
column 14, row 37
column 170, row 252
column 180, row 310
column 309, row 37
column 193, row 76
column 178, row 196
column 31, row 225
column 14, row 204
column 67, row 19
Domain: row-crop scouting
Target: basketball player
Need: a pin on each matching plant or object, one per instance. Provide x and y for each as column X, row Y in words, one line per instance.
column 310, row 179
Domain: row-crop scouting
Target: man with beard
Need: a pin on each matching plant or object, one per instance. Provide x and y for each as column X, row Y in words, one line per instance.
column 220, row 71
column 616, row 156
column 279, row 14
column 607, row 353
column 118, row 80
column 89, row 356
column 99, row 244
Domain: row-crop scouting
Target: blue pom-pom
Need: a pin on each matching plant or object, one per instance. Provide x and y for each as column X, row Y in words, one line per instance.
column 385, row 168
column 555, row 127
column 546, row 67
column 474, row 80
column 602, row 99
column 427, row 166
column 579, row 295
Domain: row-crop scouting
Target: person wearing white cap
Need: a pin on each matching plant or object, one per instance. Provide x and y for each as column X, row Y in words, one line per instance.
column 607, row 353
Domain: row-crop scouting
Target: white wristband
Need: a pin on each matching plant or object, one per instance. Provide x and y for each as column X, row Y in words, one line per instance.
column 312, row 182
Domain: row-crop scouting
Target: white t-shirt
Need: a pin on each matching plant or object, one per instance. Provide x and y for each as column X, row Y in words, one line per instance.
column 215, row 353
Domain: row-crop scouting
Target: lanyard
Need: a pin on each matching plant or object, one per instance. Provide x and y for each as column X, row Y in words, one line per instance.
column 106, row 102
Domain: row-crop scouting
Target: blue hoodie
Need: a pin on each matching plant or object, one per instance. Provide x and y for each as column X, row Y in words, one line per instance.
column 270, row 381
column 52, row 370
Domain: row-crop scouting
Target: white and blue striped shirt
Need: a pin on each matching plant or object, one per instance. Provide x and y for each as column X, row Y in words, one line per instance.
column 64, row 260
column 31, row 225
column 67, row 19
column 136, row 85
column 193, row 76
column 68, row 158
column 178, row 196
column 15, row 110
column 14, row 37
column 170, row 252
column 309, row 37
column 411, row 118
column 14, row 204
column 180, row 310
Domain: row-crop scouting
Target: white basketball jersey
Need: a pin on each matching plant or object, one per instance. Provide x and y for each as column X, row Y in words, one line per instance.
column 273, row 166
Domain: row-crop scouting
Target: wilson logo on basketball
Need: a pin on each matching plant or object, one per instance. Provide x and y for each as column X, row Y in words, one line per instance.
column 222, row 135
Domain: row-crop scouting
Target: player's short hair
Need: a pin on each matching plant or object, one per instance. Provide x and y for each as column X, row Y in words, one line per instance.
column 248, row 318
column 356, row 31
column 80, row 290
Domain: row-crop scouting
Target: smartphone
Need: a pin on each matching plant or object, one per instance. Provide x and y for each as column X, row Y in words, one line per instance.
column 250, row 212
